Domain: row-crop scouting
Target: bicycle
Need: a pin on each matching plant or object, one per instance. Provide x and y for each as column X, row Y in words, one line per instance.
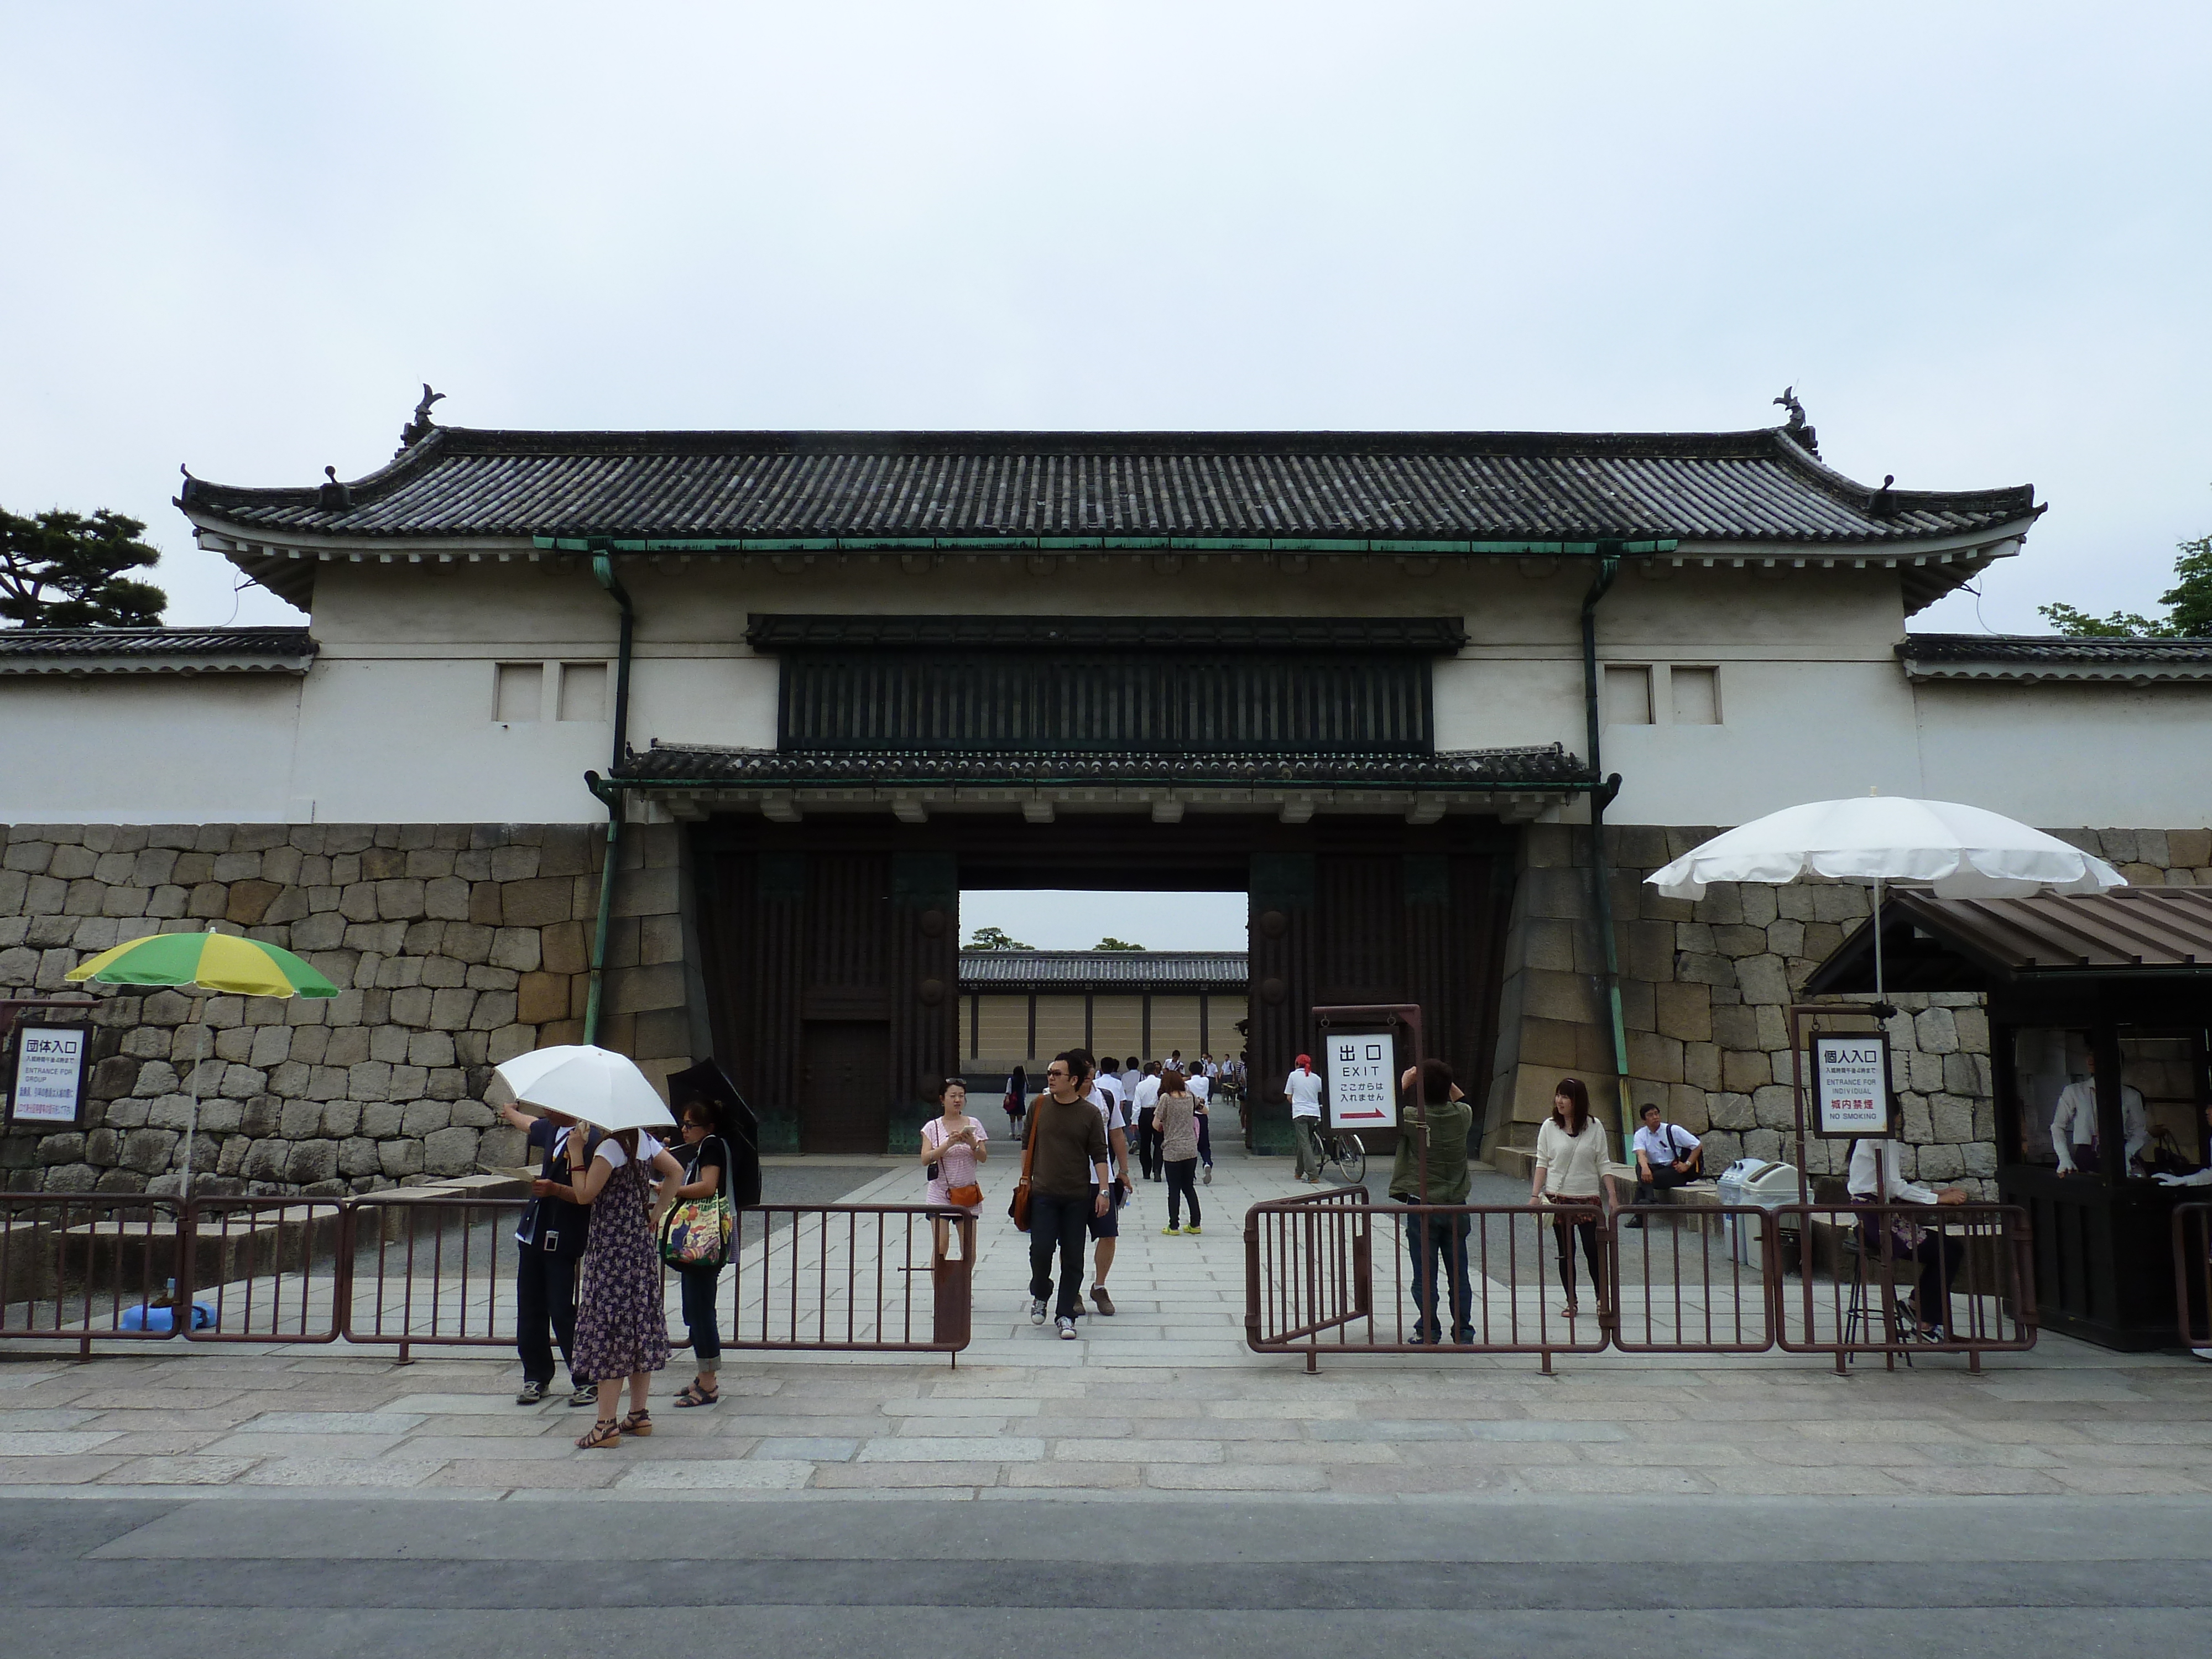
column 1342, row 1149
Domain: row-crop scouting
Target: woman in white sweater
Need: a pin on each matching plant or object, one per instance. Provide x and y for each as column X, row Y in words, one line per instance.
column 1570, row 1178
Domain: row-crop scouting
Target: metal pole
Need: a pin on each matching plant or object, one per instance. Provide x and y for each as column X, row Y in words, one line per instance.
column 192, row 1112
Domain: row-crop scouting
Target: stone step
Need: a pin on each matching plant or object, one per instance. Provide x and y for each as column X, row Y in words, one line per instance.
column 1519, row 1162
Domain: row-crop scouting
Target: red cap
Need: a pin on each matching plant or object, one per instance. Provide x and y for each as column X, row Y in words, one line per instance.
column 1306, row 1060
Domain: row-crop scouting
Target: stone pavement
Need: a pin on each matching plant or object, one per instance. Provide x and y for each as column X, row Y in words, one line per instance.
column 1163, row 1402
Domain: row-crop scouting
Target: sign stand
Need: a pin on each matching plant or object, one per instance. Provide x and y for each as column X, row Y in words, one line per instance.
column 48, row 1061
column 1372, row 1080
column 1850, row 1082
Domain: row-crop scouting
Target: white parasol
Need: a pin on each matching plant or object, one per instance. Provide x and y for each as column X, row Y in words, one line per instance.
column 1958, row 852
column 596, row 1086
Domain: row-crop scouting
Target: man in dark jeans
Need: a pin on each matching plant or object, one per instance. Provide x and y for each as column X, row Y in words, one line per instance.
column 1067, row 1183
column 548, row 1245
column 1446, row 1121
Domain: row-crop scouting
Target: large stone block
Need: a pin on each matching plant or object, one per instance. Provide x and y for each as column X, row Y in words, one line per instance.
column 430, row 1048
column 271, row 1046
column 450, row 1151
column 1763, row 980
column 1731, row 1111
column 509, row 1040
column 446, row 898
column 515, row 948
column 1950, row 1120
column 411, row 1006
column 541, row 997
column 1701, row 1064
column 2189, row 848
column 1684, row 1010
column 1655, row 1057
column 1702, row 970
column 1774, row 1106
column 1936, row 1032
column 380, row 1120
column 399, row 1159
column 424, row 1117
column 31, row 857
column 358, row 902
column 1685, row 1105
column 539, row 903
column 408, row 1082
column 357, row 1156
column 147, row 1151
column 1745, row 1070
column 400, row 899
column 661, row 939
column 370, row 1080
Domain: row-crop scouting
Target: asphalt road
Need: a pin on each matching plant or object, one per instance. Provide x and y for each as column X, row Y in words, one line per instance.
column 1714, row 1578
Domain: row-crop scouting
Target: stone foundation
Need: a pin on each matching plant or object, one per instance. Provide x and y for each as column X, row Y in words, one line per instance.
column 1703, row 990
column 455, row 946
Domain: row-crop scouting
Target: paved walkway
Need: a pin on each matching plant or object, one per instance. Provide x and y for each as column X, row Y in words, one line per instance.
column 1163, row 1401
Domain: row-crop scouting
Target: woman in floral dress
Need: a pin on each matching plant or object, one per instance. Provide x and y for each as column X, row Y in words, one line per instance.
column 622, row 1319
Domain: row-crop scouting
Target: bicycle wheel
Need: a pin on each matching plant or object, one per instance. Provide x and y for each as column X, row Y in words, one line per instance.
column 1350, row 1158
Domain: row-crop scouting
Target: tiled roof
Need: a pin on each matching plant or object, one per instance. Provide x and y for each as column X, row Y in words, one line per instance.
column 1449, row 487
column 1472, row 768
column 156, row 651
column 2026, row 657
column 1007, row 970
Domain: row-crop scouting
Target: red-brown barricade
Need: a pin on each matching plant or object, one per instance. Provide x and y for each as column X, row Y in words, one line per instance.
column 82, row 1266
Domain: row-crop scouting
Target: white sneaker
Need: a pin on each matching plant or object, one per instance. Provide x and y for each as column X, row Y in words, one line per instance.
column 1207, row 1180
column 1036, row 1310
column 1067, row 1330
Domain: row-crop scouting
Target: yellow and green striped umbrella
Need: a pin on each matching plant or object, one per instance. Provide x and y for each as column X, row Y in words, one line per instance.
column 221, row 964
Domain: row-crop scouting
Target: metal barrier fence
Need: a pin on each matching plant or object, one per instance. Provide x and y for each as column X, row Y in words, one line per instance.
column 437, row 1272
column 79, row 1266
column 1334, row 1273
column 1909, row 1279
column 2192, row 1273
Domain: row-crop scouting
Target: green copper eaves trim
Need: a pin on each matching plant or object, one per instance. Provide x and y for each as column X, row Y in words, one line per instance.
column 1103, row 543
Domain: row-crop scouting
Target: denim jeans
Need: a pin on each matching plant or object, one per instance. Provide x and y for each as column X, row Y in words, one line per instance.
column 698, row 1287
column 1428, row 1238
column 1058, row 1223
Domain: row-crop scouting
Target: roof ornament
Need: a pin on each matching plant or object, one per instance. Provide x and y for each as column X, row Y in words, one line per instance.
column 1799, row 432
column 333, row 496
column 1884, row 503
column 422, row 426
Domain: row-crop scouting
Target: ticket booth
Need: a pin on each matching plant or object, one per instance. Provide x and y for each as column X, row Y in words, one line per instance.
column 2099, row 1010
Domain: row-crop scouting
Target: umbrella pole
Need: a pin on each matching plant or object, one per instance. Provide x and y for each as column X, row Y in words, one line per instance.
column 192, row 1112
column 1878, row 993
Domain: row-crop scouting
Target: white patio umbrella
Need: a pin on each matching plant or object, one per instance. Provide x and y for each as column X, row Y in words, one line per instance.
column 594, row 1085
column 1955, row 851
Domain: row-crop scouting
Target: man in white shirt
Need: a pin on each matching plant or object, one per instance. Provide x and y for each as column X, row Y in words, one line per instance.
column 1201, row 1089
column 1132, row 1075
column 1667, row 1155
column 1106, row 1230
column 1302, row 1089
column 1145, row 1099
column 1876, row 1177
column 2074, row 1135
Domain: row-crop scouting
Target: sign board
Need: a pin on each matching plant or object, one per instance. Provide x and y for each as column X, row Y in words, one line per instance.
column 1851, row 1083
column 49, row 1080
column 1362, row 1071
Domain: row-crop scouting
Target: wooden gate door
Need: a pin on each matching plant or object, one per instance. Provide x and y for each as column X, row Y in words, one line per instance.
column 843, row 1105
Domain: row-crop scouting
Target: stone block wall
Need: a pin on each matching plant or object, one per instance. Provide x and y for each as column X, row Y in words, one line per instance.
column 454, row 947
column 1704, row 986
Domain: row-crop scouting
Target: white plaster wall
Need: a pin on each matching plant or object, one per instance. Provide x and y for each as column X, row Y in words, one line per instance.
column 146, row 749
column 2098, row 757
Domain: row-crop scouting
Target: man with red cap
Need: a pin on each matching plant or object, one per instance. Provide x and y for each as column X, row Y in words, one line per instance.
column 1303, row 1090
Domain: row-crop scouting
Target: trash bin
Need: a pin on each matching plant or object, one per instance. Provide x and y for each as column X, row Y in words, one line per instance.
column 1752, row 1182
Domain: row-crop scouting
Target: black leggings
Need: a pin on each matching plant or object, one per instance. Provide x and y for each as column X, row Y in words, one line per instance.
column 1182, row 1182
column 1570, row 1220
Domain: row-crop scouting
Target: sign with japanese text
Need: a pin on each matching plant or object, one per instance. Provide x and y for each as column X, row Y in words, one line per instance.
column 49, row 1081
column 1851, row 1083
column 1362, row 1079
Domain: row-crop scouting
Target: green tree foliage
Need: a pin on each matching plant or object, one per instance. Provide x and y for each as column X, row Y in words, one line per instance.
column 2188, row 603
column 64, row 570
column 1109, row 943
column 994, row 938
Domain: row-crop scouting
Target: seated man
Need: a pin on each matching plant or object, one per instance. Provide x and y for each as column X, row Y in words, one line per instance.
column 1938, row 1254
column 1667, row 1155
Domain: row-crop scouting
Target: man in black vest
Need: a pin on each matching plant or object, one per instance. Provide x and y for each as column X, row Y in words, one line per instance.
column 548, row 1245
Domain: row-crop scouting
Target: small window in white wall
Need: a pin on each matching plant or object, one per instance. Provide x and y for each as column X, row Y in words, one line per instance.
column 583, row 691
column 521, row 694
column 1628, row 696
column 1697, row 696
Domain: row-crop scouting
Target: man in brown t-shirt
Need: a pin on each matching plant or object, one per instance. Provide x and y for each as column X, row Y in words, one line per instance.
column 1068, row 1184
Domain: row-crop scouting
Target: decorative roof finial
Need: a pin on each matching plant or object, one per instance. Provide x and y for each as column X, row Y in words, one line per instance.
column 1799, row 431
column 422, row 426
column 333, row 496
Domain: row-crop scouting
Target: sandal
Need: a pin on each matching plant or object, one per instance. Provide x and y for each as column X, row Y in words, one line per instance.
column 605, row 1432
column 695, row 1396
column 638, row 1423
column 1570, row 1312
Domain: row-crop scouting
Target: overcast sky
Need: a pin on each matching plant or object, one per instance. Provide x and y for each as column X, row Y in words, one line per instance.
column 1974, row 237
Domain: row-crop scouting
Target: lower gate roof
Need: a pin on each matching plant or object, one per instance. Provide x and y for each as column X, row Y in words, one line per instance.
column 1968, row 944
